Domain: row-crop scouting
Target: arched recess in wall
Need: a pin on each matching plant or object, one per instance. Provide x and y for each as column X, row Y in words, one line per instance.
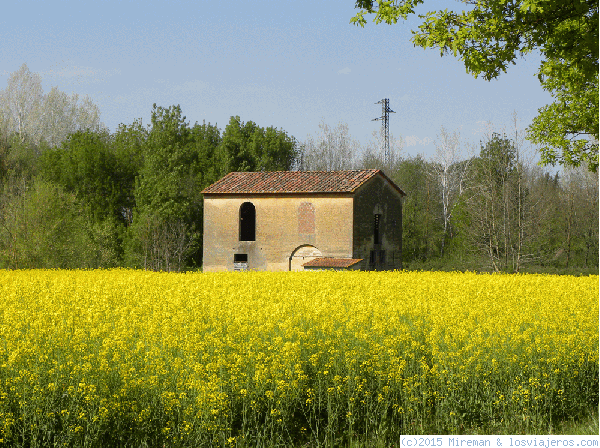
column 247, row 222
column 306, row 218
column 303, row 254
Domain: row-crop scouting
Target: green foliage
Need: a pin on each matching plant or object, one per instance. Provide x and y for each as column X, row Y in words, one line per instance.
column 168, row 215
column 490, row 216
column 497, row 161
column 206, row 140
column 167, row 183
column 491, row 35
column 18, row 161
column 127, row 145
column 422, row 232
column 248, row 147
column 86, row 166
column 567, row 129
column 42, row 228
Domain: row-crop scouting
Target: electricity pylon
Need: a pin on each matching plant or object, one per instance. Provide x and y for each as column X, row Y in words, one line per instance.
column 385, row 116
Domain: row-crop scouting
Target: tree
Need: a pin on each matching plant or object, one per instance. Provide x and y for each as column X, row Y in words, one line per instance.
column 449, row 174
column 85, row 165
column 567, row 129
column 207, row 140
column 490, row 209
column 63, row 115
column 42, row 228
column 21, row 102
column 32, row 115
column 167, row 195
column 422, row 232
column 248, row 147
column 374, row 153
column 491, row 35
column 579, row 207
column 331, row 150
column 127, row 145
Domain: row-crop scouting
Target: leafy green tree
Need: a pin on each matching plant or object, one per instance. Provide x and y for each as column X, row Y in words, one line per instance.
column 207, row 139
column 167, row 195
column 19, row 162
column 127, row 145
column 490, row 35
column 248, row 147
column 579, row 218
column 567, row 129
column 422, row 234
column 546, row 213
column 86, row 166
column 43, row 228
column 167, row 183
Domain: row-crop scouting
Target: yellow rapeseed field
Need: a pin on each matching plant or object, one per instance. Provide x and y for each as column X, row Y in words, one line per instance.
column 134, row 358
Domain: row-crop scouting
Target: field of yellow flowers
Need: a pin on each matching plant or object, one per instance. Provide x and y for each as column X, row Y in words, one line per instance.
column 134, row 358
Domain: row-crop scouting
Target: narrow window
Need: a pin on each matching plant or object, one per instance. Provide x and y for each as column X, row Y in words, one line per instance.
column 376, row 236
column 382, row 256
column 372, row 258
column 247, row 222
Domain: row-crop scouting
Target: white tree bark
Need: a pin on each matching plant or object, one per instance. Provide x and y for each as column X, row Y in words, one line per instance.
column 449, row 173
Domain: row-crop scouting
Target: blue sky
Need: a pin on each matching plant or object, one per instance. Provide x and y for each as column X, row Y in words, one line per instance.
column 289, row 65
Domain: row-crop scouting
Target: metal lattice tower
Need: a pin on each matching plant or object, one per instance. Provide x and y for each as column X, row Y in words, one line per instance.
column 385, row 116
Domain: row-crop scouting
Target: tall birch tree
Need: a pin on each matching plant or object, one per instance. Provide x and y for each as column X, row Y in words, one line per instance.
column 34, row 116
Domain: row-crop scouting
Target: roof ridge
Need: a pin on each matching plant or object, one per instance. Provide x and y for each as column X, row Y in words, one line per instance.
column 337, row 181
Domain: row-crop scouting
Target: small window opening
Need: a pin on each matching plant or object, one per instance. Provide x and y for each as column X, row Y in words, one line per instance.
column 240, row 258
column 382, row 256
column 240, row 262
column 247, row 222
column 372, row 258
column 376, row 235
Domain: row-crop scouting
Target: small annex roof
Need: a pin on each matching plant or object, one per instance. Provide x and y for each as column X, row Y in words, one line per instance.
column 265, row 182
column 327, row 262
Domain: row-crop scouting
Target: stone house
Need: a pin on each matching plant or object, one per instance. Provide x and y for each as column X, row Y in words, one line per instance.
column 292, row 220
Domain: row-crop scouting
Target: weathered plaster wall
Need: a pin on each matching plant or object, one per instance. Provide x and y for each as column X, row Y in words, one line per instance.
column 284, row 223
column 377, row 196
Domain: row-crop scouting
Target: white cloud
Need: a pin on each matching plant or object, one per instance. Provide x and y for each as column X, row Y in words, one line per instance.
column 413, row 140
column 344, row 71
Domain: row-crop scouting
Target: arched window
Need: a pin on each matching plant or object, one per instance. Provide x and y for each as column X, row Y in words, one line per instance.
column 247, row 222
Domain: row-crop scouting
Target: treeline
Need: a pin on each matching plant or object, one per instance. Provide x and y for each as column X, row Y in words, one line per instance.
column 83, row 197
column 131, row 198
column 488, row 208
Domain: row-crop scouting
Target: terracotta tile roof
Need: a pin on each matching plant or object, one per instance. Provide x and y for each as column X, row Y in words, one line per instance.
column 327, row 262
column 293, row 182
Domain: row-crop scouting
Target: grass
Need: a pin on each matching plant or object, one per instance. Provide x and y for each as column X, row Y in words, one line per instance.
column 584, row 425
